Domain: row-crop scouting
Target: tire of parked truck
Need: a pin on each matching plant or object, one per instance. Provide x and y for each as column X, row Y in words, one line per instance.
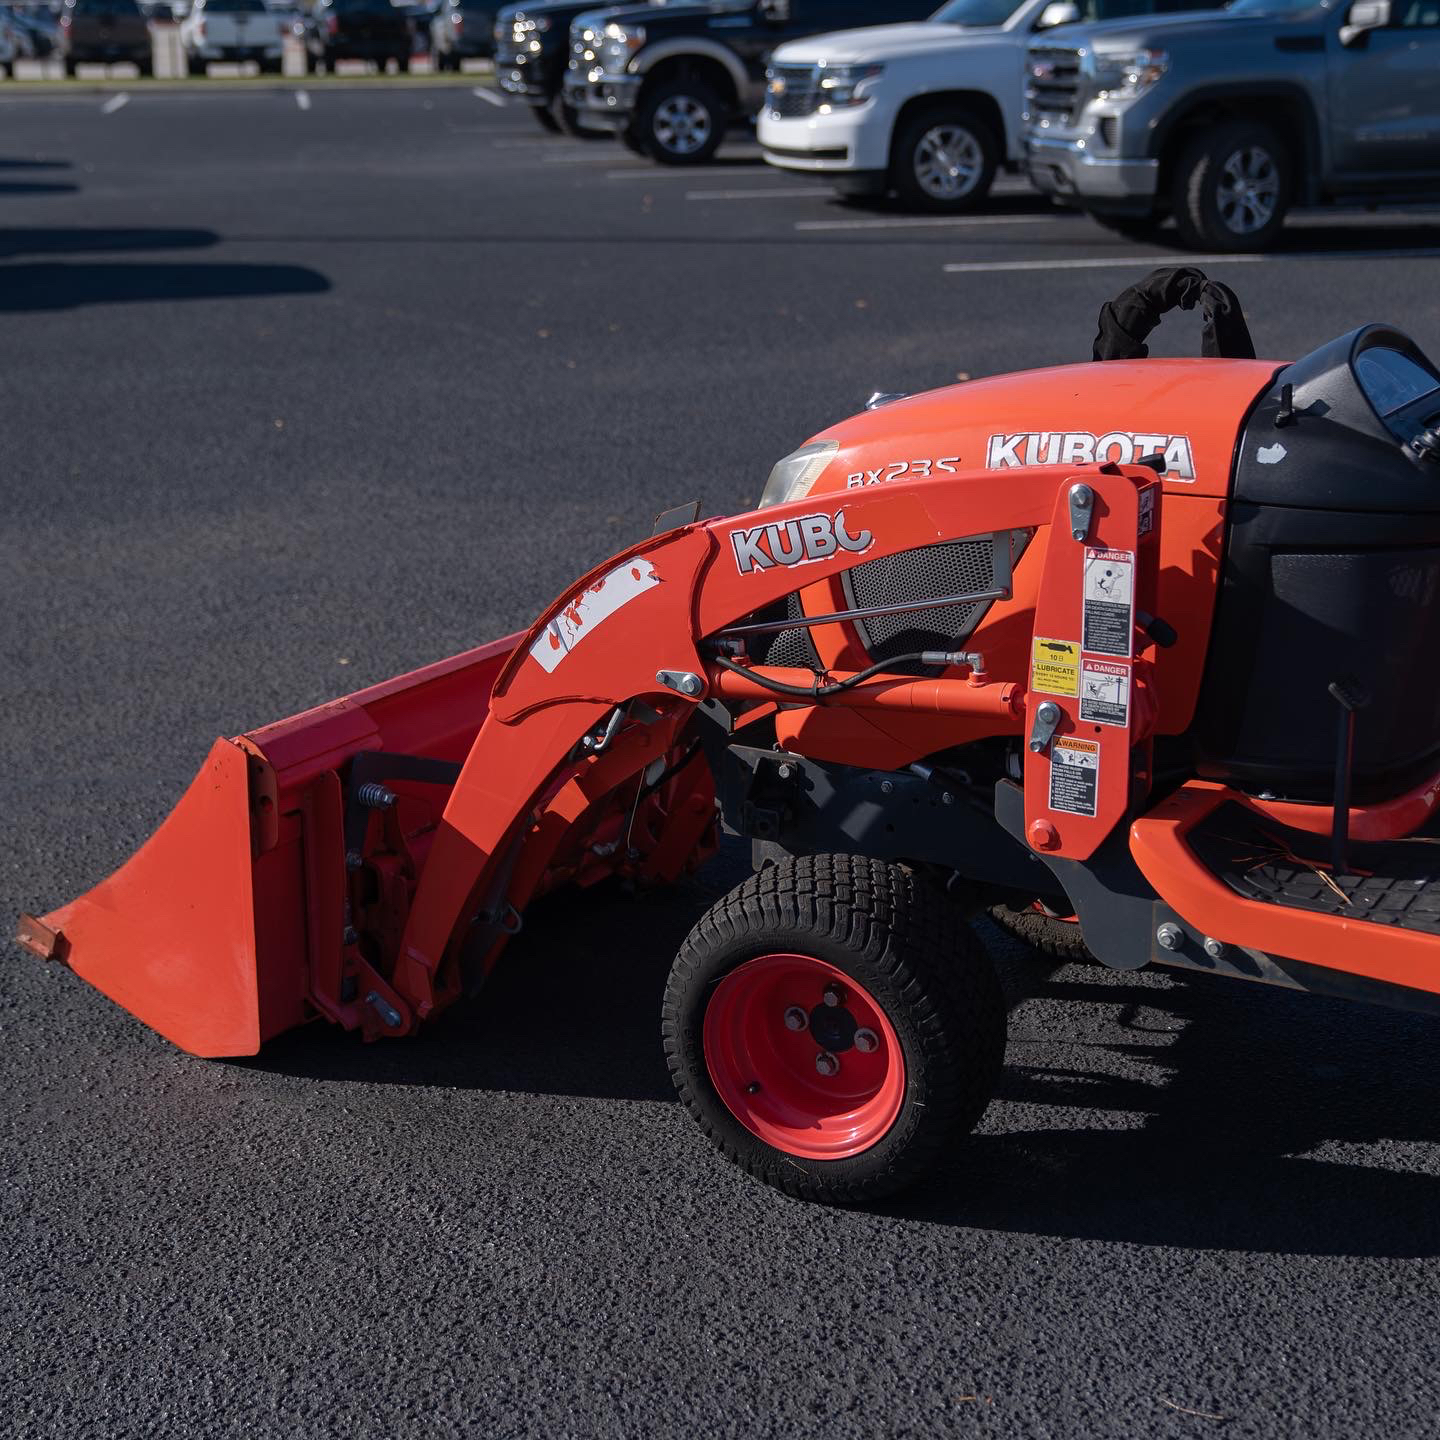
column 834, row 1026
column 944, row 159
column 272, row 67
column 631, row 139
column 194, row 65
column 1231, row 188
column 681, row 121
column 402, row 64
column 69, row 68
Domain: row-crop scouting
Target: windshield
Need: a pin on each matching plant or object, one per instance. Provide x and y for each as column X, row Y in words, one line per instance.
column 974, row 12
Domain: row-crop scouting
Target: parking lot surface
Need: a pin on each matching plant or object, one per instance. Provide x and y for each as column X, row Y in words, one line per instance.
column 305, row 389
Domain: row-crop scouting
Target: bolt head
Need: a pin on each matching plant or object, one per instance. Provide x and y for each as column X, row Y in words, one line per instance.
column 691, row 685
column 1048, row 712
column 1214, row 948
column 796, row 1018
column 946, row 798
column 1170, row 937
column 785, row 771
column 887, row 787
column 827, row 1064
column 1043, row 835
column 1082, row 495
column 867, row 1042
column 834, row 995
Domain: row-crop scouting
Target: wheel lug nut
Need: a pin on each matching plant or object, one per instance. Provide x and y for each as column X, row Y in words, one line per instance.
column 827, row 1064
column 866, row 1041
column 834, row 995
column 796, row 1018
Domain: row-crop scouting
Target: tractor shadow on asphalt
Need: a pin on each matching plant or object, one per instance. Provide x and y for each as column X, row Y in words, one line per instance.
column 1155, row 1109
column 1243, row 1118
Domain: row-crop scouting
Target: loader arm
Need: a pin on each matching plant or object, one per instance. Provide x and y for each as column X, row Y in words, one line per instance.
column 632, row 634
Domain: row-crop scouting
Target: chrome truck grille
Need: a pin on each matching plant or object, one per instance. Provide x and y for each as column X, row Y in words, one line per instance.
column 1052, row 81
column 792, row 91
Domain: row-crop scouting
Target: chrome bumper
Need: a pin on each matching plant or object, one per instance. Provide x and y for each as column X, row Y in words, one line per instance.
column 1060, row 168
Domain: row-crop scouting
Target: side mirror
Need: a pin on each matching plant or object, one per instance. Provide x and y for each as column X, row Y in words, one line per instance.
column 1058, row 12
column 1364, row 16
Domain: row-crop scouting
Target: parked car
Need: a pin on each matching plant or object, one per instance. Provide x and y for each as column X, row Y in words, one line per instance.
column 672, row 79
column 459, row 32
column 1223, row 121
column 37, row 30
column 358, row 30
column 532, row 48
column 929, row 110
column 104, row 31
column 234, row 30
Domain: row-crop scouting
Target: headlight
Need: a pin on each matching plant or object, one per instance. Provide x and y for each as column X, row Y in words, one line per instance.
column 526, row 26
column 619, row 43
column 793, row 476
column 842, row 85
column 1124, row 76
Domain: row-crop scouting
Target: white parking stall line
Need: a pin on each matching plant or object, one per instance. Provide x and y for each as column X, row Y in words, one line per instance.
column 657, row 172
column 302, row 99
column 490, row 97
column 114, row 103
column 1117, row 262
column 918, row 222
column 810, row 192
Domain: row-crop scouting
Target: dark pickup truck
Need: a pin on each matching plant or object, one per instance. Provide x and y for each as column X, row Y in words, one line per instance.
column 532, row 46
column 1223, row 120
column 104, row 30
column 359, row 30
column 672, row 78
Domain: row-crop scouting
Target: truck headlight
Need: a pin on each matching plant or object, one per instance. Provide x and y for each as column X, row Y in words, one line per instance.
column 620, row 42
column 525, row 27
column 1125, row 75
column 793, row 476
column 843, row 85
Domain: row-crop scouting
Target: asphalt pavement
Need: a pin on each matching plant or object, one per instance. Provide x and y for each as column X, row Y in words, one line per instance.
column 301, row 393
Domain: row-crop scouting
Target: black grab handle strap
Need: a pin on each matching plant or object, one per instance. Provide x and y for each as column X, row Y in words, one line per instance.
column 1126, row 320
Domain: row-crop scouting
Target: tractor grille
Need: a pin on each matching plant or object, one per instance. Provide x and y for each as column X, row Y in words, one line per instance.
column 792, row 91
column 788, row 647
column 1052, row 76
column 949, row 569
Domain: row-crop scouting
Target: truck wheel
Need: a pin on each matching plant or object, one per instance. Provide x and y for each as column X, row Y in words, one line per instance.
column 833, row 1025
column 944, row 159
column 194, row 65
column 632, row 140
column 681, row 122
column 146, row 69
column 1232, row 188
column 69, row 68
column 1058, row 936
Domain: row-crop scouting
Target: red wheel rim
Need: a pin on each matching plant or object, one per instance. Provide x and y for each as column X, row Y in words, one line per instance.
column 763, row 1064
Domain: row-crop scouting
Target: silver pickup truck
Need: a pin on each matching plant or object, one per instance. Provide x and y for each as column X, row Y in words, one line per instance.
column 1224, row 119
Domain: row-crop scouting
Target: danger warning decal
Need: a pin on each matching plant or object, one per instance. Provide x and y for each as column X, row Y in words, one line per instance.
column 1055, row 668
column 1074, row 775
column 1109, row 593
column 1105, row 692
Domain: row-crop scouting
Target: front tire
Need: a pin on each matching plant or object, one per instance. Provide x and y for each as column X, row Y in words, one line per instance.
column 834, row 1026
column 681, row 122
column 1232, row 188
column 944, row 160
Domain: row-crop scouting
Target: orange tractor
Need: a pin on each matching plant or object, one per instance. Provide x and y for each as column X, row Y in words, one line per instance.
column 1133, row 654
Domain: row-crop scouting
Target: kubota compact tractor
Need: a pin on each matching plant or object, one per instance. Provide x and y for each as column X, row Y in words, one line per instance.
column 1137, row 654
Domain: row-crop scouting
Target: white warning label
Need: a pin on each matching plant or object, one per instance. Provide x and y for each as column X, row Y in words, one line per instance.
column 1105, row 692
column 1074, row 775
column 1109, row 597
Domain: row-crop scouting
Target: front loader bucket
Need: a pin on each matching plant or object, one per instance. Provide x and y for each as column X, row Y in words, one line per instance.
column 227, row 926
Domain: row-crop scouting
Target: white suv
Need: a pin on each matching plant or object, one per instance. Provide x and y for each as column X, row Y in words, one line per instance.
column 928, row 110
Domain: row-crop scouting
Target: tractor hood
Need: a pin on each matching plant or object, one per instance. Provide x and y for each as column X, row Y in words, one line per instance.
column 1190, row 410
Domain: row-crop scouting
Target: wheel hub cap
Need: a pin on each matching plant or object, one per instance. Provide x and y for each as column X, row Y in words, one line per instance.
column 810, row 1090
column 1248, row 191
column 948, row 162
column 682, row 125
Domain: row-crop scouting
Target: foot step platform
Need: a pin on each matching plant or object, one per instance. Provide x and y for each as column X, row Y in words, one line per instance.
column 1391, row 882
